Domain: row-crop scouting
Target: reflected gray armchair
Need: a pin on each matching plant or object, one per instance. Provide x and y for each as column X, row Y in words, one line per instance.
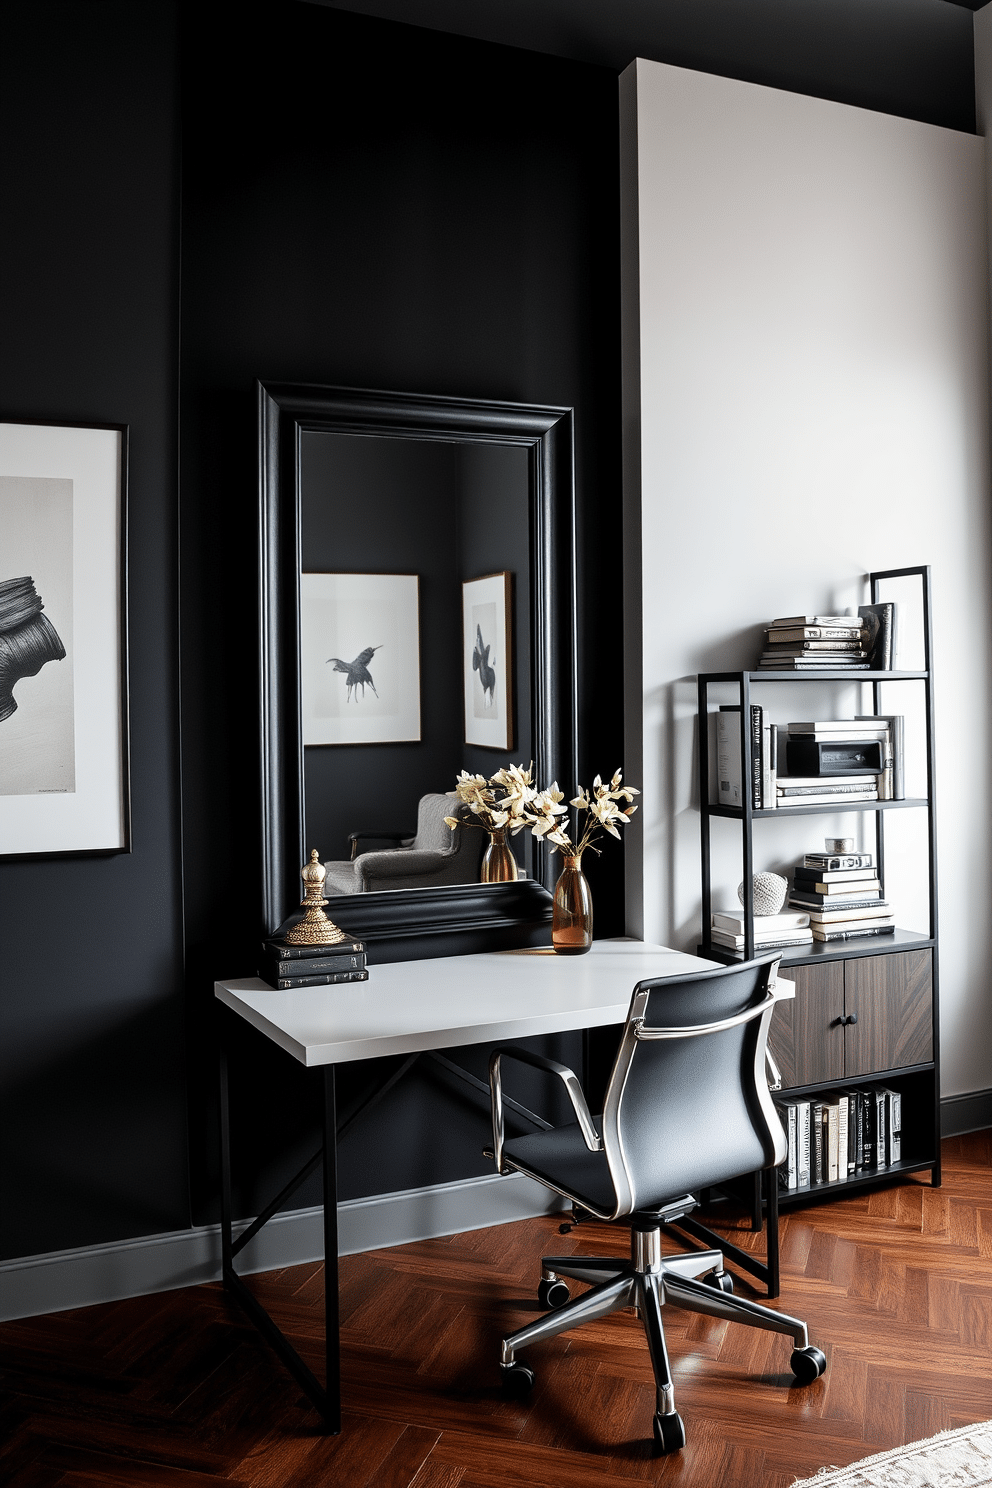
column 434, row 855
column 687, row 1106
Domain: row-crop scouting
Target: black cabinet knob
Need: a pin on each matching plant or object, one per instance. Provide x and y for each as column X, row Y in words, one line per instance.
column 852, row 1017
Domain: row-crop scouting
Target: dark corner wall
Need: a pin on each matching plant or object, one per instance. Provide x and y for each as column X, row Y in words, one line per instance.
column 93, row 1116
column 361, row 203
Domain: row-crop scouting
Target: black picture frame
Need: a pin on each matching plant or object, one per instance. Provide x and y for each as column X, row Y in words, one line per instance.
column 464, row 917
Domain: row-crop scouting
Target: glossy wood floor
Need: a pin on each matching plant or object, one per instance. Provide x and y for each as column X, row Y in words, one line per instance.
column 177, row 1389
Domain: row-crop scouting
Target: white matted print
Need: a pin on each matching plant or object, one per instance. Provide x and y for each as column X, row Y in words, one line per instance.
column 360, row 658
column 487, row 660
column 63, row 731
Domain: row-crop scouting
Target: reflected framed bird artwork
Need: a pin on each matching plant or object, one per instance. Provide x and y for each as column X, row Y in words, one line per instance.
column 487, row 654
column 360, row 658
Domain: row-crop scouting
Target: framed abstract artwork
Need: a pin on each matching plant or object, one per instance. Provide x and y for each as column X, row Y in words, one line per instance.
column 487, row 645
column 63, row 639
column 360, row 658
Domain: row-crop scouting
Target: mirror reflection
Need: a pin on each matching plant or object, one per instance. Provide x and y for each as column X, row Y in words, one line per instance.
column 394, row 676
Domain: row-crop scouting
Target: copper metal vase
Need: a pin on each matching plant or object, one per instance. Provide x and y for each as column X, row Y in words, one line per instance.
column 571, row 922
column 498, row 863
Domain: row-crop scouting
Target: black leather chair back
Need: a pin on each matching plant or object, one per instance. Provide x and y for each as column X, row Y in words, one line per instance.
column 685, row 1112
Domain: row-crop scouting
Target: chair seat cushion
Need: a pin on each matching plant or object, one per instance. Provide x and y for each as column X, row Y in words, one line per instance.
column 562, row 1159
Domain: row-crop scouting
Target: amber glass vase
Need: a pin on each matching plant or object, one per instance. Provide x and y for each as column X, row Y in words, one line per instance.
column 571, row 920
column 498, row 863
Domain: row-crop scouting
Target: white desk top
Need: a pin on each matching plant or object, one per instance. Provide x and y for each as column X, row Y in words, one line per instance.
column 410, row 1006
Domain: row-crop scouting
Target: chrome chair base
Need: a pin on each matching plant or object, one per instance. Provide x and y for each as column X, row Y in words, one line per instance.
column 646, row 1282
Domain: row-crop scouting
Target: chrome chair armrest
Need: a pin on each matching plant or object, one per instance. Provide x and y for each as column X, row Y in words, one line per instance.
column 568, row 1078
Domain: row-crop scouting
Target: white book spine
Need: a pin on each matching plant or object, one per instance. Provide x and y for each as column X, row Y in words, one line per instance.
column 842, row 1118
column 802, row 1144
column 728, row 759
column 833, row 1132
column 894, row 1102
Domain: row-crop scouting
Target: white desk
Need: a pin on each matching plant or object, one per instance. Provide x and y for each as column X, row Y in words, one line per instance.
column 404, row 1008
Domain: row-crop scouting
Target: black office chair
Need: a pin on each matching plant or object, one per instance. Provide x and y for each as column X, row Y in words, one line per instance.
column 687, row 1107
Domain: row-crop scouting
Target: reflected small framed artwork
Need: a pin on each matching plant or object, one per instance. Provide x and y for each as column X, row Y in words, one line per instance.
column 360, row 658
column 487, row 646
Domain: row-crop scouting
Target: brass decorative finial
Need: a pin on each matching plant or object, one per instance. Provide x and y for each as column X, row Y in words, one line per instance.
column 315, row 928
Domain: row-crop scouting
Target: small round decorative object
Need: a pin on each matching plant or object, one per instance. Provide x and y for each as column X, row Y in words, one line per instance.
column 770, row 890
column 839, row 844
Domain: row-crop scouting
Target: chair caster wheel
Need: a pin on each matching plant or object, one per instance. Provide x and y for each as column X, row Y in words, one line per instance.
column 669, row 1434
column 552, row 1294
column 807, row 1364
column 721, row 1281
column 565, row 1229
column 517, row 1380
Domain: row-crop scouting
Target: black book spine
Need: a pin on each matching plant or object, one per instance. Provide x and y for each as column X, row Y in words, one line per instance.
column 757, row 758
column 277, row 950
column 271, row 968
column 327, row 979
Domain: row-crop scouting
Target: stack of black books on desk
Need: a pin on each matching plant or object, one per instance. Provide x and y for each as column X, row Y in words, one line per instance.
column 842, row 894
column 287, row 966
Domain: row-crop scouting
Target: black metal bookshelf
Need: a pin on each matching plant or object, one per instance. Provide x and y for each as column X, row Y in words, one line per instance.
column 811, row 964
column 744, row 681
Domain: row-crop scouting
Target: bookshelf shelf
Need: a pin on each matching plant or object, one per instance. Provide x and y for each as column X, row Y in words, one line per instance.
column 841, row 1187
column 836, row 674
column 882, row 945
column 780, row 813
column 865, row 1011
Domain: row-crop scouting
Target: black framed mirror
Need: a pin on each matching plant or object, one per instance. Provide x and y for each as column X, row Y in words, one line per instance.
column 399, row 487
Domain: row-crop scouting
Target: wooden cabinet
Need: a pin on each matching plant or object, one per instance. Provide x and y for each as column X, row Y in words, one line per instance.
column 855, row 1017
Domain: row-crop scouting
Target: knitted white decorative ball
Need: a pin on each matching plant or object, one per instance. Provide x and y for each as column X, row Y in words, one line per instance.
column 770, row 890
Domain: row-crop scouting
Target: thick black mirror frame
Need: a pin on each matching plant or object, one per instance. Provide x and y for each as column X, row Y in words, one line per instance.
column 409, row 922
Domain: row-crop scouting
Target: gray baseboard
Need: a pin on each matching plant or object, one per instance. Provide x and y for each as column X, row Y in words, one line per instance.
column 965, row 1113
column 160, row 1263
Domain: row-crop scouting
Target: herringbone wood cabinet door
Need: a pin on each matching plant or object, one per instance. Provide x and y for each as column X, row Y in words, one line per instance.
column 806, row 1036
column 892, row 997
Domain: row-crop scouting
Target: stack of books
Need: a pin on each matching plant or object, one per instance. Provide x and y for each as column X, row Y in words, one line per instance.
column 843, row 760
column 842, row 894
column 832, row 1139
column 804, row 643
column 764, row 758
column 790, row 928
column 287, row 966
column 829, row 761
column 811, row 643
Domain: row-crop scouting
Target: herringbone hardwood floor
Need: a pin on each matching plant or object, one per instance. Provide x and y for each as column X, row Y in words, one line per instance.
column 178, row 1390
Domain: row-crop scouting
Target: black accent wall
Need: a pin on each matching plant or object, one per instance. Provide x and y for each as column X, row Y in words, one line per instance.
column 93, row 1114
column 362, row 203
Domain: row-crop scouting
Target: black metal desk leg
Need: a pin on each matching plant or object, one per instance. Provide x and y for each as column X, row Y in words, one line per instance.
column 226, row 1238
column 772, row 1251
column 332, row 1320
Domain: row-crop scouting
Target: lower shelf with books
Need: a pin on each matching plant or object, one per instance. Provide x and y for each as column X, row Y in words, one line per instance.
column 868, row 1131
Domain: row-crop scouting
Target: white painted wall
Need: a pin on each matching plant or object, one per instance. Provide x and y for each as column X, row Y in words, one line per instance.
column 806, row 399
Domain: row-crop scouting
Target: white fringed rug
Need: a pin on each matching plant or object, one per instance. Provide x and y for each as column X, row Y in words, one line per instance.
column 954, row 1459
